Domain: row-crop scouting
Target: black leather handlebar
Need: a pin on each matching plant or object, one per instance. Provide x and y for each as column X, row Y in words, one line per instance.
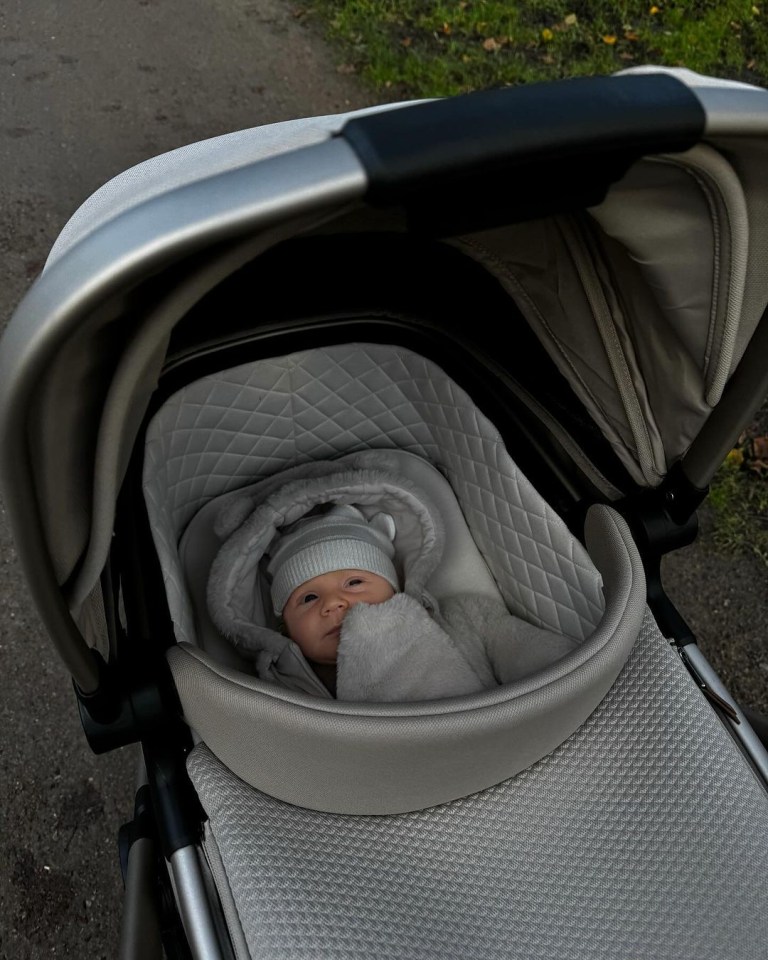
column 510, row 154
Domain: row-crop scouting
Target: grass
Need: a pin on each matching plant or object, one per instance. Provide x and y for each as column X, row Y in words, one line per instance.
column 739, row 500
column 419, row 48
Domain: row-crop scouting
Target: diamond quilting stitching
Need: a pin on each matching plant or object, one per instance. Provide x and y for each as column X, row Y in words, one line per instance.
column 224, row 431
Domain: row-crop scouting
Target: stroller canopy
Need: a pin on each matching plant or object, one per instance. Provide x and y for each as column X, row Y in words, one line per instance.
column 625, row 218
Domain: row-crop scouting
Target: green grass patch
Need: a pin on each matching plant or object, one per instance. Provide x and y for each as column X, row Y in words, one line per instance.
column 739, row 499
column 419, row 48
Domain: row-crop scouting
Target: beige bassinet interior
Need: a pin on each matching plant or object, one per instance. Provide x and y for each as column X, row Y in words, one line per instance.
column 225, row 431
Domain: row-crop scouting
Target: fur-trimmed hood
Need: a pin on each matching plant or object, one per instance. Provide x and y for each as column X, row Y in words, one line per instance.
column 403, row 649
column 238, row 598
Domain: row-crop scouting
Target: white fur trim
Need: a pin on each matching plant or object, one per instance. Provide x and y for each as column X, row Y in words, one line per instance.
column 394, row 651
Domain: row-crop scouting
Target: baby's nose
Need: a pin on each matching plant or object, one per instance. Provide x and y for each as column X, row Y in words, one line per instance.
column 336, row 603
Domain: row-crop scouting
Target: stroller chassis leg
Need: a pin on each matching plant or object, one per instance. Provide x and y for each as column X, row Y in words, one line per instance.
column 140, row 934
column 734, row 718
column 194, row 906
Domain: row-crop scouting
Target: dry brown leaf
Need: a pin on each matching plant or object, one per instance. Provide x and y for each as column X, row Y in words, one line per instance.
column 491, row 45
column 759, row 447
column 406, row 41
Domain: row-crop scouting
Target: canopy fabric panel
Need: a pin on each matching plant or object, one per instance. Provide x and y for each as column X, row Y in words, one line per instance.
column 646, row 303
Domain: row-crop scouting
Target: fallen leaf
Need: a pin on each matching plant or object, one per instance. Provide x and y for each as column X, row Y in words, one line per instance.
column 626, row 56
column 447, row 29
column 406, row 41
column 631, row 35
column 547, row 58
column 546, row 34
column 491, row 45
column 609, row 38
column 654, row 10
column 751, row 64
column 570, row 19
column 735, row 458
column 759, row 447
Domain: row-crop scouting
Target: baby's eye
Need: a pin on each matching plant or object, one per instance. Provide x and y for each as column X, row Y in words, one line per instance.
column 355, row 581
column 308, row 598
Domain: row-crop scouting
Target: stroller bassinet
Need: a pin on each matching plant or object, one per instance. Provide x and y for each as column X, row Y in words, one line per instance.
column 572, row 363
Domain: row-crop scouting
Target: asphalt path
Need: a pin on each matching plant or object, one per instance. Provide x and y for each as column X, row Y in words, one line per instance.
column 87, row 89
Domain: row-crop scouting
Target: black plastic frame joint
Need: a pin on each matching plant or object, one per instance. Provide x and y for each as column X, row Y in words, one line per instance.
column 662, row 520
column 177, row 810
column 126, row 706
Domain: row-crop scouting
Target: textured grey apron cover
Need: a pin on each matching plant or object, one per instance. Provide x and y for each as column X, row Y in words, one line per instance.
column 642, row 836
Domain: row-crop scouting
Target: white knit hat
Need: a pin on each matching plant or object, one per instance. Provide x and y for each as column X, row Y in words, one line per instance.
column 341, row 539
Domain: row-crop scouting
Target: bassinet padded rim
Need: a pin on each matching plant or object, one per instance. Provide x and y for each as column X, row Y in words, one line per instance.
column 393, row 758
column 226, row 430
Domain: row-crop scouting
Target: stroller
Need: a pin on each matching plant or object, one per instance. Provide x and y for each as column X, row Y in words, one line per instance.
column 546, row 307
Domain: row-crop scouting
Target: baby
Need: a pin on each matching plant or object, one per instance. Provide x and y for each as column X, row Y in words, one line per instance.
column 322, row 568
column 351, row 627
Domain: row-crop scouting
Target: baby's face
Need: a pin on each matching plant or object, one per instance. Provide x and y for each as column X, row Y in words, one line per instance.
column 316, row 609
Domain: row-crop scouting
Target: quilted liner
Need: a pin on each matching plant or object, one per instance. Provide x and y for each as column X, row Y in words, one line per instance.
column 640, row 837
column 222, row 432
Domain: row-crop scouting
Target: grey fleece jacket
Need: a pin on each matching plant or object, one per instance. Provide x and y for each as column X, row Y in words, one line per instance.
column 405, row 649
